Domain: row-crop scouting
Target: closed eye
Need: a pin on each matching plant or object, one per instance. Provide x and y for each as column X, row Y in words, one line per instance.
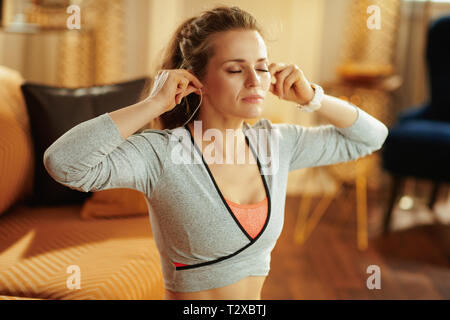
column 241, row 71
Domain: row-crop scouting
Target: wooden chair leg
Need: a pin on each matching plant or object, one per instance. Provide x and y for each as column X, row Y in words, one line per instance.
column 396, row 185
column 434, row 193
column 302, row 218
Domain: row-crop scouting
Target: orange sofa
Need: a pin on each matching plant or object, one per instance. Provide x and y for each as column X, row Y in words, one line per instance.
column 59, row 252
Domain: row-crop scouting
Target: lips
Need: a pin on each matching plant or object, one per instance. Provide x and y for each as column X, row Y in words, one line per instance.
column 254, row 98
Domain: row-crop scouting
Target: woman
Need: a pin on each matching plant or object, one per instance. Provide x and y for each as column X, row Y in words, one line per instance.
column 215, row 223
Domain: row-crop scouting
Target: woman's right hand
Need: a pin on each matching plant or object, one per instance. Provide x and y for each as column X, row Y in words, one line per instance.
column 170, row 86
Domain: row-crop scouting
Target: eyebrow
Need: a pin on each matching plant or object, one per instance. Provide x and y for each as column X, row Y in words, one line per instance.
column 243, row 60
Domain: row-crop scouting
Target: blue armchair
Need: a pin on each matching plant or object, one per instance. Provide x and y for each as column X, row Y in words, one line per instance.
column 418, row 145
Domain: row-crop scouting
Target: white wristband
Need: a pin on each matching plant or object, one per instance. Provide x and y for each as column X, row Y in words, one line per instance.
column 316, row 101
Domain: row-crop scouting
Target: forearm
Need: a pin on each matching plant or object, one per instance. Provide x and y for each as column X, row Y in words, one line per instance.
column 130, row 119
column 338, row 112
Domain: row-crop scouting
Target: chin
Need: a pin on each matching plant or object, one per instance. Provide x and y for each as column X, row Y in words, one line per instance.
column 254, row 113
column 246, row 112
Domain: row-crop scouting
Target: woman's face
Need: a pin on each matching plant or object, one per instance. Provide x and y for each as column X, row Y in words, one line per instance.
column 228, row 82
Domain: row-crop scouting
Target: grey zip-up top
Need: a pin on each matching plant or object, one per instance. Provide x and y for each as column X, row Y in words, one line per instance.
column 201, row 243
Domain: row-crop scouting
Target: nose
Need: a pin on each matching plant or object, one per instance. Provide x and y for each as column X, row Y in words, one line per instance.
column 253, row 79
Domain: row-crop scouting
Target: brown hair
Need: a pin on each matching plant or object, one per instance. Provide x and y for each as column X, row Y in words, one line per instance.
column 191, row 47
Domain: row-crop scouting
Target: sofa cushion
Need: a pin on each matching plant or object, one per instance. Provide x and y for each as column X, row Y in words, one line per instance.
column 43, row 250
column 111, row 203
column 16, row 148
column 53, row 111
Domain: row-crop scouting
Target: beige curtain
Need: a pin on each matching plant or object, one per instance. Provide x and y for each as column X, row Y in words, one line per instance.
column 410, row 59
column 410, row 63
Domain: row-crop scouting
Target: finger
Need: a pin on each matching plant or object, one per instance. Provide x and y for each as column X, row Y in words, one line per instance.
column 178, row 98
column 188, row 91
column 182, row 85
column 192, row 78
column 275, row 67
column 289, row 81
column 280, row 80
column 272, row 85
column 272, row 88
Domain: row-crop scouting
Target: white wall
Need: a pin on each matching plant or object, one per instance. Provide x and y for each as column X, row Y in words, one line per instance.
column 136, row 21
column 163, row 17
column 335, row 15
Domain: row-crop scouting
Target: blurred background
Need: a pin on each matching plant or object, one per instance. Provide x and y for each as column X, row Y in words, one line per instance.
column 340, row 219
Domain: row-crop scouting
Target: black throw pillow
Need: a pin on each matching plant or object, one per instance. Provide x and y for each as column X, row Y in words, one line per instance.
column 55, row 110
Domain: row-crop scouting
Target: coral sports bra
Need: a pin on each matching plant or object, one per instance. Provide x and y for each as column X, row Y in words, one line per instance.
column 251, row 216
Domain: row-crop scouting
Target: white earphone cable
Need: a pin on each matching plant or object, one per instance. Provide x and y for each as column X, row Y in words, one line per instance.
column 201, row 98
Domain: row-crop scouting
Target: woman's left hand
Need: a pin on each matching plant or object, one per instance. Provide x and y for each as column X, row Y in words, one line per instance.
column 291, row 84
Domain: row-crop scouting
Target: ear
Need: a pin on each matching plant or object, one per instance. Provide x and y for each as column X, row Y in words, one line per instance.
column 201, row 91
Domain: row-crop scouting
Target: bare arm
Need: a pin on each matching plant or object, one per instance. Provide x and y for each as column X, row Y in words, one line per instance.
column 130, row 119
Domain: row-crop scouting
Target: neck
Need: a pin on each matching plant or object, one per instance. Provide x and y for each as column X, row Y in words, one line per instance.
column 219, row 124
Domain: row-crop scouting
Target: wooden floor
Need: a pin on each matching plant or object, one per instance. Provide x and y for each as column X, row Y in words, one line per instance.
column 414, row 261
